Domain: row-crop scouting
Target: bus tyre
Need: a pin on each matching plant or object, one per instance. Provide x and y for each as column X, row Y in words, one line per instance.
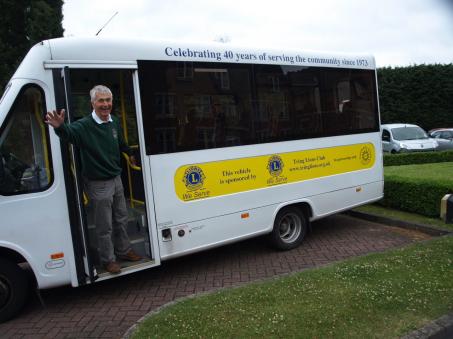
column 290, row 227
column 13, row 289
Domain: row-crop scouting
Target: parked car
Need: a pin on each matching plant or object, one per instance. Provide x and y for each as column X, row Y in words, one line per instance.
column 443, row 136
column 398, row 138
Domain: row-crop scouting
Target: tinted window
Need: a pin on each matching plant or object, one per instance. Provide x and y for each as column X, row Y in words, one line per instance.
column 191, row 106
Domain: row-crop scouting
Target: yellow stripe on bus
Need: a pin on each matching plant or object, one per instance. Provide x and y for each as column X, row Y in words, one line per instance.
column 213, row 179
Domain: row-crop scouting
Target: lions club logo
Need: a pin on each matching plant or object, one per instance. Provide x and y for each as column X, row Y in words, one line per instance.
column 275, row 165
column 193, row 178
column 365, row 155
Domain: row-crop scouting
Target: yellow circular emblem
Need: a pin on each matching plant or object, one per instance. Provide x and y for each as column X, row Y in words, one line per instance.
column 365, row 155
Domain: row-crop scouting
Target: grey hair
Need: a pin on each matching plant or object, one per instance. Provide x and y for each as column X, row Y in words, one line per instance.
column 99, row 89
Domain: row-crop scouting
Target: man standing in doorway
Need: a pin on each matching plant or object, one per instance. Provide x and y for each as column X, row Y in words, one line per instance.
column 100, row 141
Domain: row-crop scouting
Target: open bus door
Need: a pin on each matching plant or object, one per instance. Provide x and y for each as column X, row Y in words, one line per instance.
column 72, row 88
column 86, row 272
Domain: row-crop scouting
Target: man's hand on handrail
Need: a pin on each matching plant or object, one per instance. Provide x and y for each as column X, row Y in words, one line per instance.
column 132, row 162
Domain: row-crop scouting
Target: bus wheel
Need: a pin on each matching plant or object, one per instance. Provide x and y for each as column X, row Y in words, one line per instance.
column 13, row 289
column 290, row 227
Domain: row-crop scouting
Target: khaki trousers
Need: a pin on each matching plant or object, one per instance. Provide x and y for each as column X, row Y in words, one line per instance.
column 107, row 206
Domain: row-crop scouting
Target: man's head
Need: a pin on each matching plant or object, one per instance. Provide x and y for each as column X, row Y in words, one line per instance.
column 101, row 100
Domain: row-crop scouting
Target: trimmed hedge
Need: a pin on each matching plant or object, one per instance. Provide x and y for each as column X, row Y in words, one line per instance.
column 419, row 94
column 417, row 158
column 417, row 196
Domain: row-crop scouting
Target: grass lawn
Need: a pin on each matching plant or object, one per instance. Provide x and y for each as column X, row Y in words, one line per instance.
column 441, row 171
column 381, row 295
column 406, row 216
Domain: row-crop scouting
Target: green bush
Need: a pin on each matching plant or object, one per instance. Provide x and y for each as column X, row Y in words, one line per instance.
column 419, row 94
column 414, row 195
column 417, row 158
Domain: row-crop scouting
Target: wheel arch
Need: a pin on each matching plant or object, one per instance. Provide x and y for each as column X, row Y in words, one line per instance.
column 12, row 255
column 19, row 259
column 305, row 206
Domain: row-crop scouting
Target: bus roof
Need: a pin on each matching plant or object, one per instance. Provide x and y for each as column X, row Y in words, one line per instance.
column 96, row 52
column 130, row 50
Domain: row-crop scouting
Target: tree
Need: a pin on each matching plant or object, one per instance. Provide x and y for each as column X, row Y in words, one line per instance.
column 25, row 23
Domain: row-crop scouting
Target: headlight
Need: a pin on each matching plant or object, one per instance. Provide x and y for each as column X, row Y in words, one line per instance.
column 435, row 143
column 403, row 145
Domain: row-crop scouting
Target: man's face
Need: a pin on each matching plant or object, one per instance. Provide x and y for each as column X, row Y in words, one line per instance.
column 102, row 105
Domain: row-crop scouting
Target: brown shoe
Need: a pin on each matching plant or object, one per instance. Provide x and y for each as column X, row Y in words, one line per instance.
column 130, row 256
column 113, row 267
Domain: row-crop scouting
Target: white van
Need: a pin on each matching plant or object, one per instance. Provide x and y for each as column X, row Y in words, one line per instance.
column 398, row 138
column 232, row 143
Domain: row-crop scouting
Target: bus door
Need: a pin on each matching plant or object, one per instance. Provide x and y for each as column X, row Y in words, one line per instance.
column 72, row 92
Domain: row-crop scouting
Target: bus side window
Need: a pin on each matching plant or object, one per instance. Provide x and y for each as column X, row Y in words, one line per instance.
column 25, row 162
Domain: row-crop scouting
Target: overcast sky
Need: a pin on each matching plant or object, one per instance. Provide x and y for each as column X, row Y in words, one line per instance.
column 396, row 32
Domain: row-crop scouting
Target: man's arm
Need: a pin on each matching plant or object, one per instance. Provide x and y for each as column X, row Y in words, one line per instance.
column 64, row 131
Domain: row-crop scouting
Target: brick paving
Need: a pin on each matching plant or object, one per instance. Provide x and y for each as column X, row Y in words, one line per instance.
column 108, row 309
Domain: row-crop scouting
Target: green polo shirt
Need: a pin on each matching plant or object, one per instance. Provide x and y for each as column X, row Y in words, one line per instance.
column 100, row 146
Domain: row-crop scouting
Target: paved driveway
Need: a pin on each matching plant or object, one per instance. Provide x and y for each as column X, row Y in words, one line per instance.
column 108, row 309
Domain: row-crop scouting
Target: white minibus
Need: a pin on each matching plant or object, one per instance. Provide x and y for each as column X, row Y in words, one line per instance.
column 232, row 142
